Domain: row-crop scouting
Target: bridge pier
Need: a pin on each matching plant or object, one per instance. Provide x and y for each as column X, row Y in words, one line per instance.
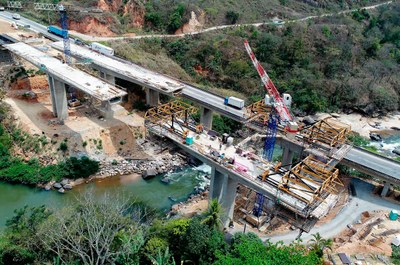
column 223, row 188
column 108, row 77
column 385, row 189
column 287, row 158
column 58, row 98
column 206, row 117
column 152, row 97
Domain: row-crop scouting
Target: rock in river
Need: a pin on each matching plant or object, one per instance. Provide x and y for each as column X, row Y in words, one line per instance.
column 57, row 185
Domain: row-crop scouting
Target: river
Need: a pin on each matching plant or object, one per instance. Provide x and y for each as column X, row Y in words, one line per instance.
column 153, row 192
column 387, row 145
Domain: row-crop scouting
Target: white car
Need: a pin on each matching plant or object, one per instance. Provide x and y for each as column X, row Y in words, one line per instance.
column 16, row 16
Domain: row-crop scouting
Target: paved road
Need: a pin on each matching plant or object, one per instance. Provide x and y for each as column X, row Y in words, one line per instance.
column 36, row 27
column 364, row 201
column 386, row 168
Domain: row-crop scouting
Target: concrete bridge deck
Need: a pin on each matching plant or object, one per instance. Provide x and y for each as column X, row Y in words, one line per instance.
column 124, row 70
column 161, row 83
column 67, row 74
column 373, row 164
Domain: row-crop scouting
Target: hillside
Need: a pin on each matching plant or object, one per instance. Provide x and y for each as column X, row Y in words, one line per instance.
column 334, row 63
column 137, row 16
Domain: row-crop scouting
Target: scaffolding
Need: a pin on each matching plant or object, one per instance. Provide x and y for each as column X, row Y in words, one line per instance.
column 172, row 113
column 310, row 180
column 329, row 132
column 258, row 113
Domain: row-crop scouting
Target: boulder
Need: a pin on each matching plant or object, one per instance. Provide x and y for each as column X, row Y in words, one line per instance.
column 57, row 185
column 61, row 190
column 397, row 151
column 149, row 173
column 375, row 137
column 335, row 115
column 67, row 186
column 64, row 182
column 47, row 187
column 395, row 128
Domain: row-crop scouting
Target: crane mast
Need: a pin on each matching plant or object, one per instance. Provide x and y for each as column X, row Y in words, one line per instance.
column 279, row 105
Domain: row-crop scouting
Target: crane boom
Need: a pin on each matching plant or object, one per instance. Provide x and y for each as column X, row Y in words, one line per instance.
column 279, row 105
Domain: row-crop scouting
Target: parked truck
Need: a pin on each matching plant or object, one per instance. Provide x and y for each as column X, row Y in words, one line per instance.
column 56, row 31
column 234, row 102
column 101, row 48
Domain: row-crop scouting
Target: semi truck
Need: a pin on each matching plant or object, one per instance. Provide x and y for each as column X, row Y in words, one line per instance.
column 234, row 102
column 56, row 31
column 102, row 49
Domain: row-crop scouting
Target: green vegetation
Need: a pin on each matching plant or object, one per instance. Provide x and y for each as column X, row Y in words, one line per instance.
column 119, row 231
column 395, row 255
column 327, row 64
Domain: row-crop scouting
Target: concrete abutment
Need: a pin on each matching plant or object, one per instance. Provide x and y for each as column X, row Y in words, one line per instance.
column 152, row 97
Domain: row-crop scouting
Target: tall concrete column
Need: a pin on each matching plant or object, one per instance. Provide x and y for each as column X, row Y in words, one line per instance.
column 109, row 78
column 152, row 97
column 58, row 98
column 206, row 118
column 223, row 188
column 385, row 189
column 218, row 181
column 228, row 200
column 287, row 157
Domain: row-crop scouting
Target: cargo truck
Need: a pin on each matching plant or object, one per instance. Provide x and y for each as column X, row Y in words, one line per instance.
column 234, row 102
column 56, row 31
column 102, row 49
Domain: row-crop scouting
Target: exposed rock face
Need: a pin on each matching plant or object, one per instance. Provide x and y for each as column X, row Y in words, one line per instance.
column 105, row 24
column 91, row 25
column 194, row 24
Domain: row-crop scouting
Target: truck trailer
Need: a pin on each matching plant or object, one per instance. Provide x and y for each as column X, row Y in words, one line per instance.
column 102, row 49
column 234, row 102
column 56, row 31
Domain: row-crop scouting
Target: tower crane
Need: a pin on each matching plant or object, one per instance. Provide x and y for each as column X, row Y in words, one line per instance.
column 283, row 113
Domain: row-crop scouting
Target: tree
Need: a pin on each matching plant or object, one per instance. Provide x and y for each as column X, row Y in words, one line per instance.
column 162, row 258
column 232, row 17
column 94, row 231
column 213, row 215
column 319, row 244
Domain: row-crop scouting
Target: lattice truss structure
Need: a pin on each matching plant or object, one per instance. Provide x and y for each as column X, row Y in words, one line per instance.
column 329, row 132
column 170, row 115
column 311, row 180
column 258, row 113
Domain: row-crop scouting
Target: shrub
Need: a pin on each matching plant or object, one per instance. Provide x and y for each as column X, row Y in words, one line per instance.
column 80, row 167
column 63, row 147
column 232, row 17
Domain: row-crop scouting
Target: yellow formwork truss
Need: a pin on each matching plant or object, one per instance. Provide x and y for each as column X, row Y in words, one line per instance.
column 166, row 112
column 309, row 179
column 328, row 131
column 258, row 112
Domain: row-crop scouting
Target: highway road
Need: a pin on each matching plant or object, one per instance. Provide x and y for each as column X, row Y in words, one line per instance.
column 373, row 164
column 36, row 27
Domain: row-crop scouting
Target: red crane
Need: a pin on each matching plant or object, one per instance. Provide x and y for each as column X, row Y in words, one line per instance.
column 279, row 105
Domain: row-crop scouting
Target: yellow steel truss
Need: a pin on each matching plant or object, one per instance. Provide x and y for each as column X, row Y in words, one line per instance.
column 312, row 178
column 166, row 112
column 328, row 131
column 258, row 112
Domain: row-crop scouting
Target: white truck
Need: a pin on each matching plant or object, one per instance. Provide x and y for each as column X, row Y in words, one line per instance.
column 101, row 49
column 234, row 102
